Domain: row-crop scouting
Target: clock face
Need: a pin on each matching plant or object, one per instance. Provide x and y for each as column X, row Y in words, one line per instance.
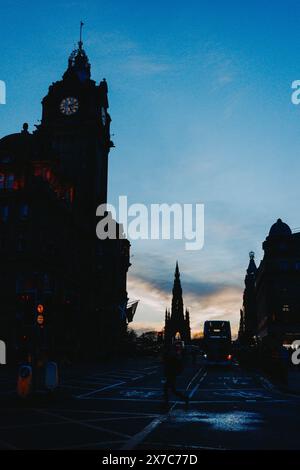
column 69, row 106
column 103, row 116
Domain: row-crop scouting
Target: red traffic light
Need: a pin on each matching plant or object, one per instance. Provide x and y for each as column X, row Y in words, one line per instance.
column 40, row 308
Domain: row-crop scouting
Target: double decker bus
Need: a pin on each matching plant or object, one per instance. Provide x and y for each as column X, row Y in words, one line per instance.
column 217, row 342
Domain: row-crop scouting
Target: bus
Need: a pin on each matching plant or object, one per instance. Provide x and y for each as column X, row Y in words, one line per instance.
column 217, row 342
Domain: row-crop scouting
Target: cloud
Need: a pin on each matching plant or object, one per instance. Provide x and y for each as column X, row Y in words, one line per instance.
column 127, row 55
column 143, row 65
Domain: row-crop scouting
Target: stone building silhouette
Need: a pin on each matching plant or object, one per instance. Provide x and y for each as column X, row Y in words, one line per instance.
column 51, row 182
column 277, row 285
column 271, row 307
column 176, row 322
column 248, row 320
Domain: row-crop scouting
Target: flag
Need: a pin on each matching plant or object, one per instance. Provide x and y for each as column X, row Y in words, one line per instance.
column 131, row 311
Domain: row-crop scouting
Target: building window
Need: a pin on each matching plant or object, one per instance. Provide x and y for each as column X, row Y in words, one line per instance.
column 20, row 243
column 10, row 181
column 2, row 242
column 5, row 159
column 285, row 308
column 4, row 211
column 284, row 265
column 24, row 211
column 7, row 181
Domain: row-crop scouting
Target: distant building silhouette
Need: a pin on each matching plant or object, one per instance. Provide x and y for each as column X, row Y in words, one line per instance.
column 51, row 182
column 176, row 322
column 248, row 320
column 271, row 306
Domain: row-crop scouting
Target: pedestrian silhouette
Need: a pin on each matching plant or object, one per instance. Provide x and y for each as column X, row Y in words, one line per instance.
column 173, row 366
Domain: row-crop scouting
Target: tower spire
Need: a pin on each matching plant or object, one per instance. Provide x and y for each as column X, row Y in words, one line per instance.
column 80, row 43
column 78, row 61
column 177, row 274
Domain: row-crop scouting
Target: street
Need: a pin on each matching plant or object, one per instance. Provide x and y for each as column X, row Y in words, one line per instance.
column 121, row 408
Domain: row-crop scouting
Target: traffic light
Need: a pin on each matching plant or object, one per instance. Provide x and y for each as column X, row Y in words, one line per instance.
column 40, row 319
column 40, row 309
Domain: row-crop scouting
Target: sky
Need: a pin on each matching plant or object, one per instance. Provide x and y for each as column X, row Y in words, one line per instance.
column 200, row 100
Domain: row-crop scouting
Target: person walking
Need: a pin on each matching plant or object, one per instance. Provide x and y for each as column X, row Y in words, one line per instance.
column 173, row 366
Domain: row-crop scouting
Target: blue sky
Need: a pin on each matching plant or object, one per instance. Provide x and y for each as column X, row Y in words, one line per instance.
column 200, row 101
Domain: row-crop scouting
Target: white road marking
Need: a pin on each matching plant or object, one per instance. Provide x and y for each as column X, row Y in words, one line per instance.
column 192, row 402
column 84, row 395
column 140, row 436
column 81, row 423
column 197, row 385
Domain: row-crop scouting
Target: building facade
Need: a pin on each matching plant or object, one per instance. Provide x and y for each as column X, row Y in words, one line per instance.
column 177, row 323
column 271, row 301
column 278, row 286
column 51, row 182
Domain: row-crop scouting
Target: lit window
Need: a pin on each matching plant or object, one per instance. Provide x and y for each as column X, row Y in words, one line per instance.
column 285, row 308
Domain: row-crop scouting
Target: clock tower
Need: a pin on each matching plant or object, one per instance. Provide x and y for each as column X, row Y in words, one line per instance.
column 76, row 123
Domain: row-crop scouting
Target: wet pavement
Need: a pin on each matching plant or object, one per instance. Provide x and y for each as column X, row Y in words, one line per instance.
column 119, row 406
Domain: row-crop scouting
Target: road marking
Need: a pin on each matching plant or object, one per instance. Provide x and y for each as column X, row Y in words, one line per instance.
column 91, row 445
column 60, row 421
column 197, row 385
column 140, row 436
column 6, row 445
column 111, row 375
column 232, row 389
column 80, row 423
column 194, row 378
column 144, row 400
column 183, row 447
column 75, row 386
column 100, row 390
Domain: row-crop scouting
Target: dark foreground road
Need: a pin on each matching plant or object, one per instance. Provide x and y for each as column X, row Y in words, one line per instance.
column 120, row 407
